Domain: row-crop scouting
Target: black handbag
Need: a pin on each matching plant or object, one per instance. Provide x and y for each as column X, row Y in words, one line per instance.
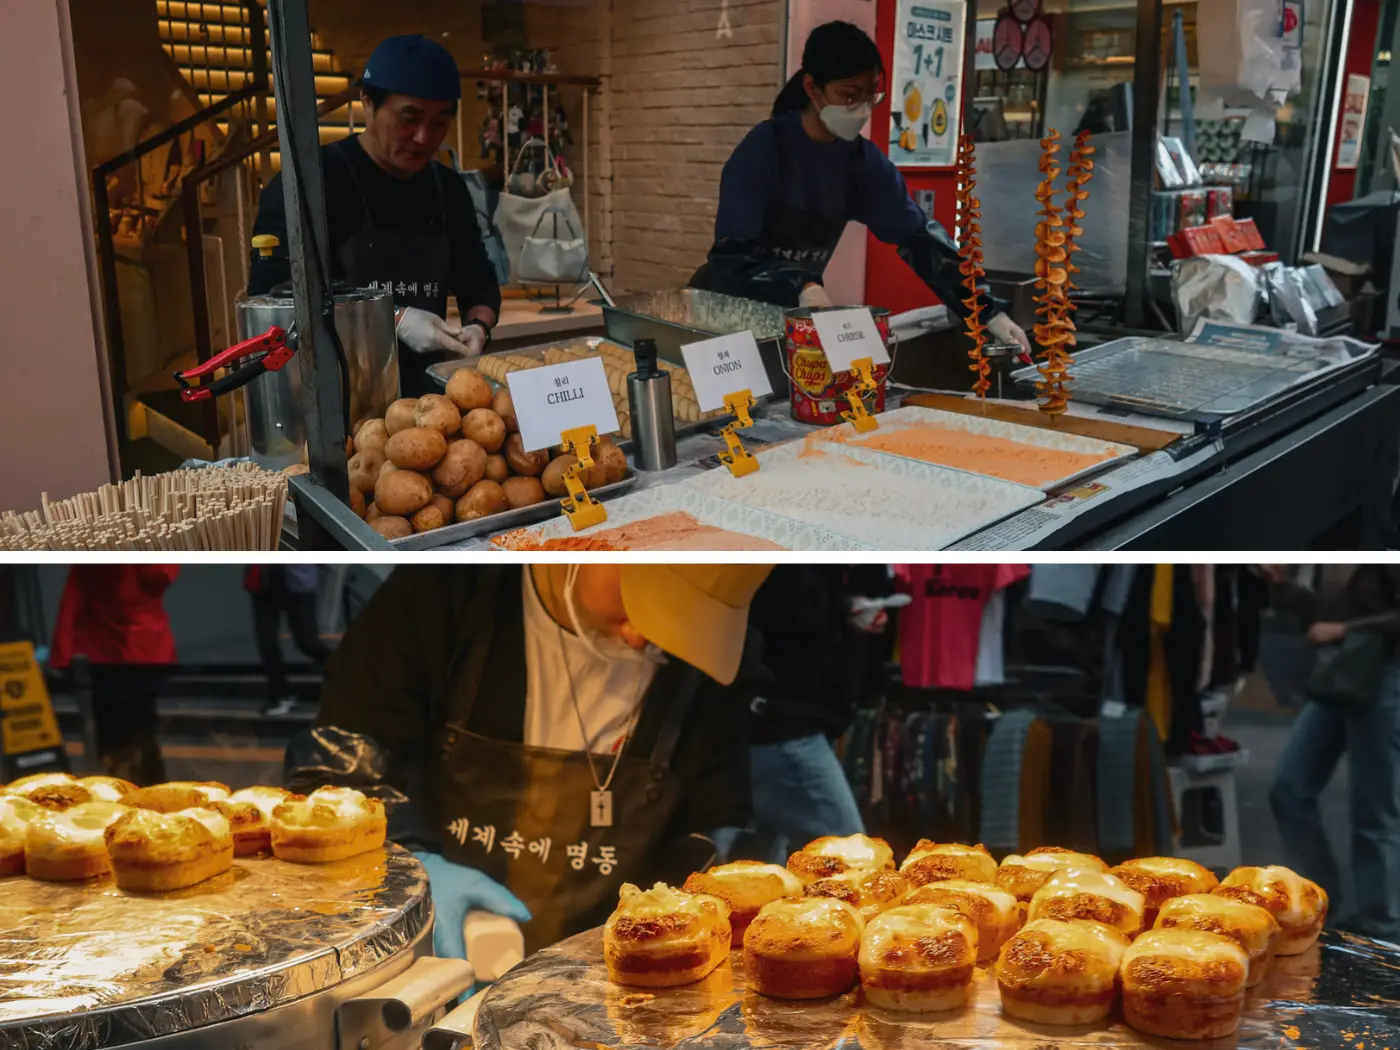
column 1348, row 675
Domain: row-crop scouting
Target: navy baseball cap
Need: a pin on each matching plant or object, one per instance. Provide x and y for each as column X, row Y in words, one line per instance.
column 415, row 66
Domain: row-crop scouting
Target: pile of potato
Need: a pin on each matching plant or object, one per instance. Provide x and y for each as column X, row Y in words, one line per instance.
column 456, row 457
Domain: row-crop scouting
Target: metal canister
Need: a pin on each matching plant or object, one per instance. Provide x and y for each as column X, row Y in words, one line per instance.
column 818, row 396
column 653, row 413
column 276, row 421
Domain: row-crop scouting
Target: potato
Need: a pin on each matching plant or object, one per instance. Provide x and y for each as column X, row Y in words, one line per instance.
column 394, row 528
column 526, row 464
column 429, row 518
column 524, row 492
column 504, row 406
column 445, row 504
column 462, row 467
column 364, row 470
column 497, row 469
column 402, row 493
column 436, row 412
column 358, row 424
column 400, row 415
column 613, row 461
column 373, row 513
column 553, row 477
column 373, row 436
column 416, row 448
column 357, row 502
column 468, row 390
column 484, row 499
column 349, row 447
column 485, row 428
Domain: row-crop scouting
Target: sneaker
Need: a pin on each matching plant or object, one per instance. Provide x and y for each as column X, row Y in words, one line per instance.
column 280, row 708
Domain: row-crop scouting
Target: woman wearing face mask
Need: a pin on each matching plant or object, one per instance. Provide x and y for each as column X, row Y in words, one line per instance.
column 541, row 735
column 796, row 180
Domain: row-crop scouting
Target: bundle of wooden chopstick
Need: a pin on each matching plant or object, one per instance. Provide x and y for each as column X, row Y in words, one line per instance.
column 237, row 508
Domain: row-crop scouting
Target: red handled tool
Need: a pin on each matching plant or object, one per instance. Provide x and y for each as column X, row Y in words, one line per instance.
column 247, row 360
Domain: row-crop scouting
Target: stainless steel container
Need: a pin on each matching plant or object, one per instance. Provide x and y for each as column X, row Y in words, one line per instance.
column 276, row 421
column 653, row 414
column 270, row 955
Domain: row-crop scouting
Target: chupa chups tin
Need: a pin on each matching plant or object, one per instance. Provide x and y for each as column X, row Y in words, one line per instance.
column 818, row 397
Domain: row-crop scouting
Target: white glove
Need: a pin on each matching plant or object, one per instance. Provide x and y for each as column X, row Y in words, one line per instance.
column 474, row 338
column 1008, row 331
column 814, row 297
column 427, row 332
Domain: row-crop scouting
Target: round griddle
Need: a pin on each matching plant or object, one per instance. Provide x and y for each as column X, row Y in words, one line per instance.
column 1344, row 992
column 87, row 965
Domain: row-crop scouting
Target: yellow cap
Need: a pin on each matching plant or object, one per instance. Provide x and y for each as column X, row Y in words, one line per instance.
column 265, row 243
column 697, row 613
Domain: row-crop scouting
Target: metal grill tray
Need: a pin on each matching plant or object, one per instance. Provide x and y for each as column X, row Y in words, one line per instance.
column 87, row 965
column 1182, row 380
column 1341, row 994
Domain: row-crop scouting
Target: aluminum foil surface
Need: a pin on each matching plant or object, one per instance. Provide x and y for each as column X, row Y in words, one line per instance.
column 87, row 966
column 1344, row 994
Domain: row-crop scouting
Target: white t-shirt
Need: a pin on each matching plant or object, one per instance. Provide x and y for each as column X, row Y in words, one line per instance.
column 609, row 692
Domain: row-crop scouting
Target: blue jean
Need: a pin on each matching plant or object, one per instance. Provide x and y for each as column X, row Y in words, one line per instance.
column 800, row 793
column 1370, row 739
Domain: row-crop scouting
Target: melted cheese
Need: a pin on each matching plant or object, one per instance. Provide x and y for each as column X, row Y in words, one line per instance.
column 814, row 913
column 972, row 857
column 859, row 851
column 1193, row 946
column 16, row 813
column 24, row 785
column 216, row 823
column 1188, row 869
column 1049, row 861
column 102, row 790
column 266, row 799
column 901, row 927
column 81, row 825
column 659, row 900
column 792, row 885
column 1070, row 882
column 348, row 803
column 1004, row 903
column 1093, row 938
column 1265, row 881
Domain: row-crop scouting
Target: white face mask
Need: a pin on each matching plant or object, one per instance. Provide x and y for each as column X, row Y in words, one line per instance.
column 601, row 647
column 846, row 122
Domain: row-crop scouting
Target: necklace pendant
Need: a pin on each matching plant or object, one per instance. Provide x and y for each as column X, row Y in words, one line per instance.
column 600, row 813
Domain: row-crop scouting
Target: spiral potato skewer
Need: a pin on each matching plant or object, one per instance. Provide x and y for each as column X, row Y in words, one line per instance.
column 1080, row 174
column 1055, row 331
column 970, row 248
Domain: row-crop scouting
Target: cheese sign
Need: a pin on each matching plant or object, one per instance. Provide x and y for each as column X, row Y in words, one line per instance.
column 27, row 721
column 724, row 366
column 556, row 398
column 849, row 335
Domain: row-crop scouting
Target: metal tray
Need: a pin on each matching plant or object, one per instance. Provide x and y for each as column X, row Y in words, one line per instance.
column 982, row 425
column 86, row 965
column 1187, row 381
column 680, row 316
column 510, row 519
column 1340, row 994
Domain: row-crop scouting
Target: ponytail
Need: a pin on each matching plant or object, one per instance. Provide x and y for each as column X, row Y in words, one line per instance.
column 793, row 98
column 834, row 51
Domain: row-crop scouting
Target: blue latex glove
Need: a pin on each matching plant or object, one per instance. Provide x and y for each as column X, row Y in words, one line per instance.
column 457, row 891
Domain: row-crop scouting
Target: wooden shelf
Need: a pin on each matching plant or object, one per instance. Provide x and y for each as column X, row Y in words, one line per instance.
column 508, row 76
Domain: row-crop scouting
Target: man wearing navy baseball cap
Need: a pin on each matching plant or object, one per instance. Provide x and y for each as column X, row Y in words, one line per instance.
column 397, row 218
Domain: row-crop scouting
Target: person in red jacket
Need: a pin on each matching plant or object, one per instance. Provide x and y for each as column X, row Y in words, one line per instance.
column 115, row 616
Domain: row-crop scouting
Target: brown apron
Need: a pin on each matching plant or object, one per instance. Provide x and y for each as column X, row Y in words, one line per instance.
column 521, row 815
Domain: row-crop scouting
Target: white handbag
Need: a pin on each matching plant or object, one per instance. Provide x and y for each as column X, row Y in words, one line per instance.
column 555, row 259
column 519, row 217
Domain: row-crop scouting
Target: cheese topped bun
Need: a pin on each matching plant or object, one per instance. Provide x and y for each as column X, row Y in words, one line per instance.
column 1297, row 904
column 1086, row 894
column 868, row 892
column 16, row 813
column 1159, row 879
column 68, row 845
column 53, row 791
column 1184, row 984
column 1251, row 927
column 830, row 855
column 176, row 795
column 249, row 814
column 746, row 886
column 109, row 789
column 1021, row 875
column 918, row 958
column 930, row 862
column 153, row 852
column 1062, row 973
column 996, row 914
column 803, row 949
column 328, row 825
column 664, row 938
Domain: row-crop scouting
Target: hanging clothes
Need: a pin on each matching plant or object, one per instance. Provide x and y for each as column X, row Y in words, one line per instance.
column 939, row 631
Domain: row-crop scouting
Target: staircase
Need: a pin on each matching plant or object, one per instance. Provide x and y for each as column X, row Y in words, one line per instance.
column 209, row 43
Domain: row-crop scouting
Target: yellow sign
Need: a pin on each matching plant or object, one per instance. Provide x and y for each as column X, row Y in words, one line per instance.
column 26, row 712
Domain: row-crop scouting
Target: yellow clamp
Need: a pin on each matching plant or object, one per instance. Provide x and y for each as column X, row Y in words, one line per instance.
column 265, row 243
column 858, row 416
column 736, row 457
column 582, row 510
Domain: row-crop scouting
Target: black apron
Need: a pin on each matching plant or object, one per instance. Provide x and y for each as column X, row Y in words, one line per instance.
column 414, row 264
column 521, row 814
column 793, row 238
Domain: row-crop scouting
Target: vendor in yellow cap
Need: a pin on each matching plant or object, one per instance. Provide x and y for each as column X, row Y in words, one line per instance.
column 543, row 734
